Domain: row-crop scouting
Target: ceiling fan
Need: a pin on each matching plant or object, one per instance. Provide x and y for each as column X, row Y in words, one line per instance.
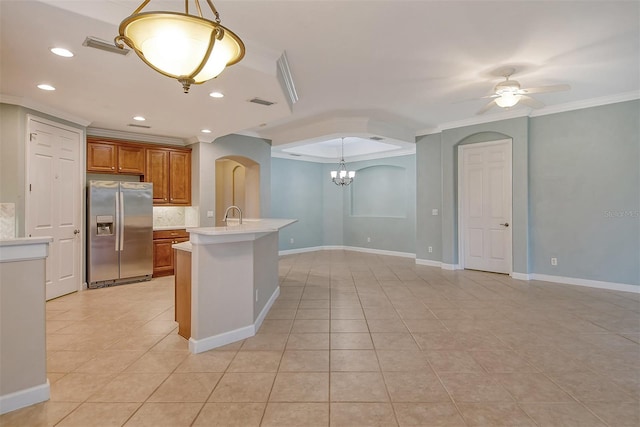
column 508, row 93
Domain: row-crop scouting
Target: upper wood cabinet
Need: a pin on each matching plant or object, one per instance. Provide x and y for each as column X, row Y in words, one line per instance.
column 114, row 157
column 168, row 168
column 170, row 172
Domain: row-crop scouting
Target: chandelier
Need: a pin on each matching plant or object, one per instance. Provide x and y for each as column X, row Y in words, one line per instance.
column 185, row 47
column 341, row 176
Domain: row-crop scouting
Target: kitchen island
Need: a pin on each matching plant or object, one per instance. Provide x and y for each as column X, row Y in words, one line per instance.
column 234, row 280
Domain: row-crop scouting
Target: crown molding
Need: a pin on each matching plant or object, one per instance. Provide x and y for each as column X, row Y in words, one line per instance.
column 42, row 108
column 118, row 134
column 587, row 103
column 552, row 109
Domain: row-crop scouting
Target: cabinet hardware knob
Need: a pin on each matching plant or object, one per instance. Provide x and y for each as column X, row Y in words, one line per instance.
column 506, row 224
column 113, row 167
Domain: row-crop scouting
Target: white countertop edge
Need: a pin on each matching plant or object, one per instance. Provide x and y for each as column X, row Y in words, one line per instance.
column 248, row 226
column 24, row 248
column 184, row 246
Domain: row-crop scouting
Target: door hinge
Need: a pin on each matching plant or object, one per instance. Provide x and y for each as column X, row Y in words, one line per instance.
column 32, row 136
column 29, row 187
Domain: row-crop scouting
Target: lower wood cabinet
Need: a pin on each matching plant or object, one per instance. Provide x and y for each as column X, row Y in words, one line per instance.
column 183, row 292
column 163, row 252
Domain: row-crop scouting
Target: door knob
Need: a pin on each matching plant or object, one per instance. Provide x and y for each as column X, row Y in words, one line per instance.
column 506, row 224
column 76, row 231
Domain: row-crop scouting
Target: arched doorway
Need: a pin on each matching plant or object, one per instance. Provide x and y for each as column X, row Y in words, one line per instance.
column 237, row 183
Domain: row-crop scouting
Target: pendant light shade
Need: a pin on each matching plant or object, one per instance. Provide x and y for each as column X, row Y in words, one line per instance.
column 185, row 47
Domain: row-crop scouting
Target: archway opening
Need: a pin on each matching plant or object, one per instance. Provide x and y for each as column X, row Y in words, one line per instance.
column 237, row 184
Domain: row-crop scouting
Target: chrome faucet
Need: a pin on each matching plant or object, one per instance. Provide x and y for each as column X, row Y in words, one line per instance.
column 226, row 214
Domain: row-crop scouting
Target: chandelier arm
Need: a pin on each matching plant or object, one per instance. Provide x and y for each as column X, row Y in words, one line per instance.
column 214, row 10
column 205, row 58
column 144, row 3
column 197, row 2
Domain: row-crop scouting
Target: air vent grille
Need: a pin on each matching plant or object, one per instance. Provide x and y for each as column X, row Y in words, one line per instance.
column 134, row 125
column 376, row 138
column 261, row 102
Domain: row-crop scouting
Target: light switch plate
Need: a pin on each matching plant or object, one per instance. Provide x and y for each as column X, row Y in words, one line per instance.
column 434, row 212
column 209, row 214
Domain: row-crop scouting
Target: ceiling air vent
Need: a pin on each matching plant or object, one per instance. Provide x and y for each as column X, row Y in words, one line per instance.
column 261, row 102
column 295, row 155
column 133, row 125
column 376, row 138
column 96, row 43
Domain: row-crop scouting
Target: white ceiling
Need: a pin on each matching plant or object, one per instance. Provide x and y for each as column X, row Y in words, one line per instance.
column 393, row 69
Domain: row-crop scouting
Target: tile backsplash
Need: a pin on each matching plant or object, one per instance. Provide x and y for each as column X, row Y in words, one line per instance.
column 7, row 220
column 175, row 216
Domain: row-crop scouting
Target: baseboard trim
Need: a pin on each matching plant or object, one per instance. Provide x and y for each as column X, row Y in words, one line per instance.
column 521, row 276
column 215, row 341
column 515, row 275
column 612, row 286
column 29, row 396
column 429, row 263
column 347, row 248
column 267, row 307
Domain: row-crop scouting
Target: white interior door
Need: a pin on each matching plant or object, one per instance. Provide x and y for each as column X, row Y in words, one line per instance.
column 485, row 202
column 54, row 195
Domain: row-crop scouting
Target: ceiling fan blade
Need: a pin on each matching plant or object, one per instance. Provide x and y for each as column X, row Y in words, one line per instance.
column 531, row 102
column 543, row 89
column 495, row 95
column 486, row 107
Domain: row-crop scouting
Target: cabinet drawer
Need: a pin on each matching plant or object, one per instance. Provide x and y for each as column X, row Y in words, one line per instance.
column 170, row 234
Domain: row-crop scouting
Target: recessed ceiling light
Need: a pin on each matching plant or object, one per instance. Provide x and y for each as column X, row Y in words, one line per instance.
column 60, row 51
column 216, row 95
column 139, row 118
column 205, row 131
column 46, row 87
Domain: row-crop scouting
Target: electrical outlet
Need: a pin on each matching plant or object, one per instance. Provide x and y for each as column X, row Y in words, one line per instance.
column 434, row 212
column 430, row 249
column 291, row 240
column 368, row 239
column 256, row 295
column 554, row 261
column 209, row 214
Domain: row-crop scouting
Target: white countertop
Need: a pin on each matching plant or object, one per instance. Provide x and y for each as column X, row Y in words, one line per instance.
column 171, row 227
column 24, row 248
column 250, row 225
column 184, row 246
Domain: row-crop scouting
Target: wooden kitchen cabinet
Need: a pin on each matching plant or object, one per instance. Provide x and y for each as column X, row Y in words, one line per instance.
column 182, row 281
column 163, row 252
column 170, row 172
column 114, row 157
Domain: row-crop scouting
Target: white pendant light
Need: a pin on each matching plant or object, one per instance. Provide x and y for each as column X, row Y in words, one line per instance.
column 188, row 48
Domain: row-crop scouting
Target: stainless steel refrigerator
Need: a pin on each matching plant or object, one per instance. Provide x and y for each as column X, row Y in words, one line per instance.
column 120, row 232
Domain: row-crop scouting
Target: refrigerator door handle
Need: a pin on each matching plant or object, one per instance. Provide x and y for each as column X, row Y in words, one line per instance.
column 117, row 224
column 121, row 232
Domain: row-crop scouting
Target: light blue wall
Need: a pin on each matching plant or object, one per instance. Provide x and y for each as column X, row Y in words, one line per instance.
column 429, row 197
column 395, row 231
column 585, row 193
column 576, row 192
column 296, row 192
column 304, row 190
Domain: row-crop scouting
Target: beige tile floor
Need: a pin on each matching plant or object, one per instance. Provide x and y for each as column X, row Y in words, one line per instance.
column 354, row 340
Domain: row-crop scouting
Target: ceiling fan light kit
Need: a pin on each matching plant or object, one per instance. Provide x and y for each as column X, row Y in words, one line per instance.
column 508, row 93
column 182, row 46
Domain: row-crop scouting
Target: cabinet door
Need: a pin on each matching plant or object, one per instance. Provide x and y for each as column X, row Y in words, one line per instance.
column 162, row 257
column 131, row 160
column 101, row 157
column 180, row 178
column 158, row 173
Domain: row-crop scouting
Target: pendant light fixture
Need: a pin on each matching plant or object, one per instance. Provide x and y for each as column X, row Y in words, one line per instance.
column 185, row 47
column 342, row 177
